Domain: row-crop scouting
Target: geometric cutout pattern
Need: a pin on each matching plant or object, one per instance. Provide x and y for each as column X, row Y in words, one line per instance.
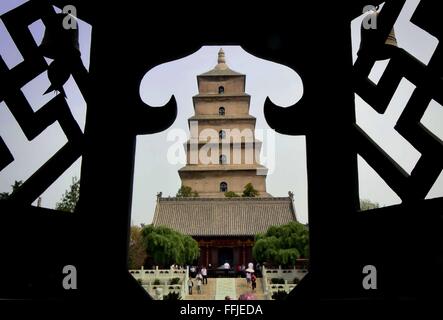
column 31, row 122
column 428, row 82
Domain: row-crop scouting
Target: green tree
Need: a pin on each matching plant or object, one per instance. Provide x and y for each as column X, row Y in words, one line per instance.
column 366, row 204
column 166, row 246
column 186, row 192
column 137, row 250
column 231, row 194
column 282, row 245
column 70, row 198
column 14, row 187
column 249, row 191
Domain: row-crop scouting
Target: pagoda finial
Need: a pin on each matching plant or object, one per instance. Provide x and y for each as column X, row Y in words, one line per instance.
column 221, row 56
column 221, row 62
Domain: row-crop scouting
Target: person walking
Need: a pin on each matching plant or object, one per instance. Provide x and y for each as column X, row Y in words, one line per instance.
column 199, row 284
column 248, row 278
column 249, row 273
column 190, row 285
column 253, row 281
column 242, row 270
column 193, row 271
column 204, row 273
column 226, row 266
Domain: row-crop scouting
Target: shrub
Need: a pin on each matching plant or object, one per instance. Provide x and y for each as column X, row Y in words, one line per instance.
column 174, row 281
column 279, row 295
column 186, row 192
column 172, row 296
column 278, row 281
column 249, row 191
column 156, row 282
column 296, row 280
column 231, row 194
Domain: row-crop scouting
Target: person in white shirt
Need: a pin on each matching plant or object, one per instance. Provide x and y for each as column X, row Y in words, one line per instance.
column 204, row 273
column 248, row 278
column 226, row 266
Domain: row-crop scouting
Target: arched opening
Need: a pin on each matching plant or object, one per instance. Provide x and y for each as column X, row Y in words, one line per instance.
column 222, row 134
column 216, row 255
column 221, row 89
column 223, row 187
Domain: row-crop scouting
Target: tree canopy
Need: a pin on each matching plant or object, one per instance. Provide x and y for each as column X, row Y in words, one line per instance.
column 166, row 246
column 282, row 245
column 137, row 249
column 70, row 198
column 15, row 186
column 186, row 192
column 231, row 194
column 249, row 191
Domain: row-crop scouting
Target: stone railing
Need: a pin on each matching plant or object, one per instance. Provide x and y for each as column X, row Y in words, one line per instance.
column 157, row 281
column 184, row 289
column 288, row 275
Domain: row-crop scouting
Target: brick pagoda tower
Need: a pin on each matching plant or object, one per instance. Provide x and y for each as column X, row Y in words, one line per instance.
column 222, row 153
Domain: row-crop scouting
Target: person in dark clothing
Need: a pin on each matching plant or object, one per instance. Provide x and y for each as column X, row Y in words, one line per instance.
column 253, row 281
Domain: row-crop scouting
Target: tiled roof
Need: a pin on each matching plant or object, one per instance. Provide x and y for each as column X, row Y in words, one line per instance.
column 221, row 72
column 223, row 216
column 224, row 167
column 222, row 118
column 219, row 96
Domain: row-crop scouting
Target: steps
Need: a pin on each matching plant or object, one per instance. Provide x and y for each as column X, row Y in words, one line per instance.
column 225, row 287
column 219, row 288
column 242, row 287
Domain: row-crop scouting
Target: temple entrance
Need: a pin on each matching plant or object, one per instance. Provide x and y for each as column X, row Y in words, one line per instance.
column 225, row 255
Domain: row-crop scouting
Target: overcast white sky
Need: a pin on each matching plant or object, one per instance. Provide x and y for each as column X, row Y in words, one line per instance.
column 284, row 155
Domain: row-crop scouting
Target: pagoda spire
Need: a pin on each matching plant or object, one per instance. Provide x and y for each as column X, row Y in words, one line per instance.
column 221, row 61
